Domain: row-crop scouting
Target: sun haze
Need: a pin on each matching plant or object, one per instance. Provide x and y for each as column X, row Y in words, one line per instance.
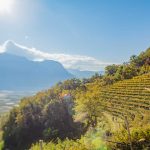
column 6, row 6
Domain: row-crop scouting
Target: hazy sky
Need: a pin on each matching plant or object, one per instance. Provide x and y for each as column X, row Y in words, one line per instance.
column 107, row 30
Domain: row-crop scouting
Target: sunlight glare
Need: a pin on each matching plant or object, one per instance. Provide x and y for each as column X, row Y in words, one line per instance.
column 6, row 6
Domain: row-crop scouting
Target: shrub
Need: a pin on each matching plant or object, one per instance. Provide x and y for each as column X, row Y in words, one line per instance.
column 91, row 141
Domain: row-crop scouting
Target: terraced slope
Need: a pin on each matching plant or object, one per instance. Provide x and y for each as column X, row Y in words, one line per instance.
column 128, row 97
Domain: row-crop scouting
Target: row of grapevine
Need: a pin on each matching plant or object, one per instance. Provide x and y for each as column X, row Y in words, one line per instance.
column 129, row 97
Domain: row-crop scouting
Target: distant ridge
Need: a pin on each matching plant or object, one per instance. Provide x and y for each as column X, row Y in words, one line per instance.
column 19, row 73
column 84, row 74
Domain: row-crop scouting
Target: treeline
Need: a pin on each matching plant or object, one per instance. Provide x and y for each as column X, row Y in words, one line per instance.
column 46, row 116
column 70, row 108
column 137, row 65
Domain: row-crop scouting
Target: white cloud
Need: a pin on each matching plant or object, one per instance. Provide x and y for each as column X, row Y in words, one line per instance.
column 2, row 48
column 69, row 61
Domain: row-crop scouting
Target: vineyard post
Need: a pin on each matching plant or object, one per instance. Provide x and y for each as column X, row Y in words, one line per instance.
column 41, row 144
column 129, row 134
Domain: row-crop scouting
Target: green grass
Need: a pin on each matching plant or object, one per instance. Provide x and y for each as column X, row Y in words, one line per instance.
column 1, row 145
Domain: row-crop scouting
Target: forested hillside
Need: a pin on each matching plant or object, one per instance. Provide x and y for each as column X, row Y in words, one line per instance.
column 110, row 111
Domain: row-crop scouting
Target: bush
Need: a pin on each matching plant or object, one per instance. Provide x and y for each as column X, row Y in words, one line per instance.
column 91, row 141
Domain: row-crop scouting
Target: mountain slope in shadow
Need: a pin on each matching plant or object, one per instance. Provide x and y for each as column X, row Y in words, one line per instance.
column 19, row 73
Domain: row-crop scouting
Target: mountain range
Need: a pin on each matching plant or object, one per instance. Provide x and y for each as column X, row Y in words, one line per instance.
column 84, row 74
column 24, row 69
column 20, row 73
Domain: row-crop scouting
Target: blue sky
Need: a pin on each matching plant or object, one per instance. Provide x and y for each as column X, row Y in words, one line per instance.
column 108, row 30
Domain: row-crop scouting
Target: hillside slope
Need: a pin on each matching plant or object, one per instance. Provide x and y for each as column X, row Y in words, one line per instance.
column 129, row 97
